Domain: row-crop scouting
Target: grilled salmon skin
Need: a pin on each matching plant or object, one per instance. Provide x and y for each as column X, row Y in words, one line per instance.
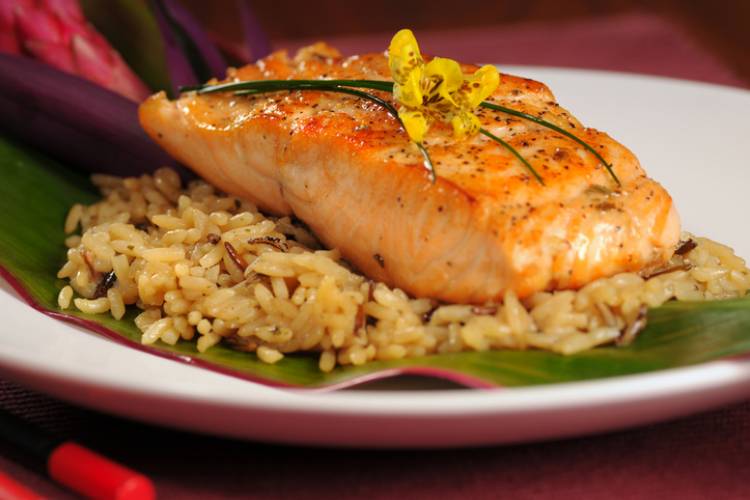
column 345, row 167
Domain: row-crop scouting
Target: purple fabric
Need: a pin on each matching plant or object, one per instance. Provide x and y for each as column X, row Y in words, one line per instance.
column 704, row 456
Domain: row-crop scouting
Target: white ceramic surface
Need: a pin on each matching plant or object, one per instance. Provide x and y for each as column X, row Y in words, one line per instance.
column 690, row 136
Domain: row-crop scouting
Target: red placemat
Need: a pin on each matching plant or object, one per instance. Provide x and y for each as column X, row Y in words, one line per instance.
column 703, row 456
column 700, row 457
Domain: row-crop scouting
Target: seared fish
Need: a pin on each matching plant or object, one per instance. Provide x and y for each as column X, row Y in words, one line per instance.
column 346, row 168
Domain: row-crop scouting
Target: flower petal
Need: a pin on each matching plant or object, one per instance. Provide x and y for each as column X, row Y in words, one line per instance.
column 442, row 77
column 438, row 90
column 415, row 123
column 403, row 55
column 480, row 85
column 465, row 124
column 409, row 92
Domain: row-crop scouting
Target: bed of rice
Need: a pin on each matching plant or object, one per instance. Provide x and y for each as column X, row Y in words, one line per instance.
column 208, row 267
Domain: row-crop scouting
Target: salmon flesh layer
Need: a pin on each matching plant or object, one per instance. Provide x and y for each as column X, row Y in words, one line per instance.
column 345, row 167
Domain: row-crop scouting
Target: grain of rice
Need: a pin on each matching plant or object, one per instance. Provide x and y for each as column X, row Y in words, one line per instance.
column 170, row 336
column 72, row 241
column 194, row 317
column 212, row 257
column 116, row 303
column 327, row 361
column 206, row 341
column 73, row 218
column 92, row 306
column 169, row 254
column 204, row 327
column 269, row 355
column 155, row 330
column 64, row 297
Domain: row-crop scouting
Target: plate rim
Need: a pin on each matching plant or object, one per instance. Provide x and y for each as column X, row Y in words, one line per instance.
column 501, row 400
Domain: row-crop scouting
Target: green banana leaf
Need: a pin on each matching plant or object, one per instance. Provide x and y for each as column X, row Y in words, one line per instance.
column 36, row 193
column 130, row 26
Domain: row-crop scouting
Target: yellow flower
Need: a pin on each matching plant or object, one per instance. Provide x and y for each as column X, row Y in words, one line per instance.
column 437, row 90
column 415, row 123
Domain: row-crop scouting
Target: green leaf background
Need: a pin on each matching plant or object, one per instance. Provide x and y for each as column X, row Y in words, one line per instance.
column 36, row 194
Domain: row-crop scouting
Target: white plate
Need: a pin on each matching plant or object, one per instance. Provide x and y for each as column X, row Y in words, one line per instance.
column 692, row 137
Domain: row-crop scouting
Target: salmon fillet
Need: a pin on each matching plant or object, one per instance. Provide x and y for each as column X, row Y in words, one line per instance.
column 347, row 169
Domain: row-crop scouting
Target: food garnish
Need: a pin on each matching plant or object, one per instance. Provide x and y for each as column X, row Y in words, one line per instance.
column 427, row 92
column 440, row 91
column 437, row 90
column 552, row 126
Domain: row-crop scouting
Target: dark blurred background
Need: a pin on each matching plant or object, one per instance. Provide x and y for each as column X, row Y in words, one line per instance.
column 721, row 27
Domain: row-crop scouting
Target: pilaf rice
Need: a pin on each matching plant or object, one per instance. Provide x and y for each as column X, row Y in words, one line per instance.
column 208, row 267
